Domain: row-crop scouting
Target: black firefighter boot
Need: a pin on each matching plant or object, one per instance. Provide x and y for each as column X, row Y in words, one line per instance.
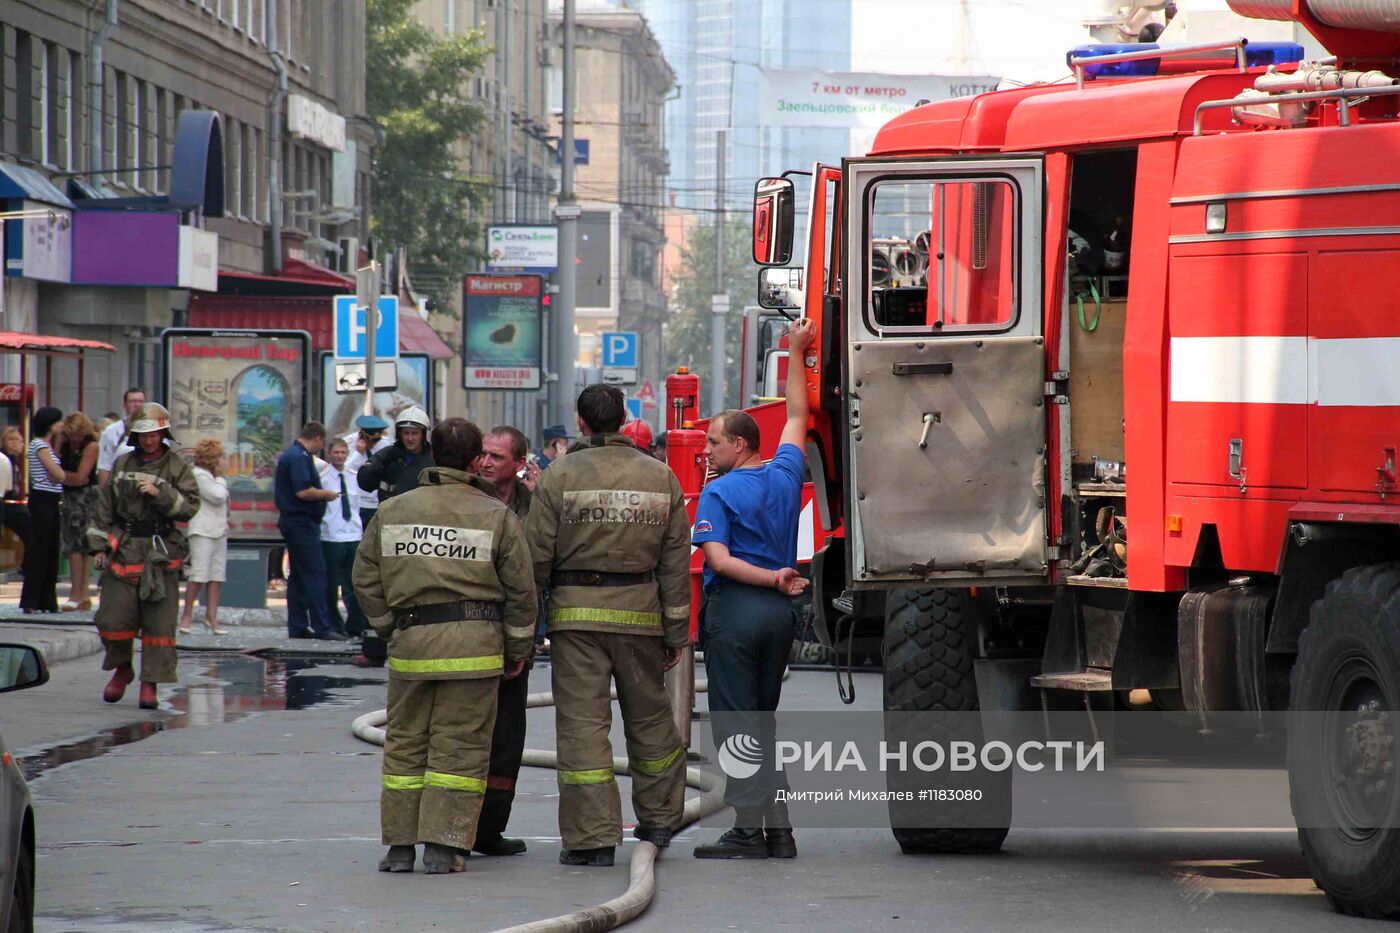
column 398, row 858
column 593, row 858
column 777, row 830
column 442, row 860
column 745, row 840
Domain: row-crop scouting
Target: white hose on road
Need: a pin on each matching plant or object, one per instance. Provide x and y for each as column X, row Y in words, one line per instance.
column 641, row 887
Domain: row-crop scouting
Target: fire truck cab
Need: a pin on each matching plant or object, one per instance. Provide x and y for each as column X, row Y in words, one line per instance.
column 1107, row 401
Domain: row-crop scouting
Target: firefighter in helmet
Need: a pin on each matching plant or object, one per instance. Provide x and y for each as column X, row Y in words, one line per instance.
column 134, row 537
column 610, row 539
column 444, row 574
column 640, row 432
column 392, row 472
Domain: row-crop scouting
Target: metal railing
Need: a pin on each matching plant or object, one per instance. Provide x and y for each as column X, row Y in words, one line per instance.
column 1346, row 98
column 1178, row 51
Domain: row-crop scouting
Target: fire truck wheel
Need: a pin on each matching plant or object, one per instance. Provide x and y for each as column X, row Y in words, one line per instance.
column 1342, row 742
column 928, row 651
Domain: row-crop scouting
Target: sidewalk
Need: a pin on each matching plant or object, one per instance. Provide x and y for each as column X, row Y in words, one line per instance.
column 66, row 636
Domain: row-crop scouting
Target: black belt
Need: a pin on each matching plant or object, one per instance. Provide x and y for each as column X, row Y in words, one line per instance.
column 599, row 578
column 147, row 528
column 459, row 610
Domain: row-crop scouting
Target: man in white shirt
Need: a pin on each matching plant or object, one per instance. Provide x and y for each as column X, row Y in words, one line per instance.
column 370, row 437
column 110, row 446
column 341, row 532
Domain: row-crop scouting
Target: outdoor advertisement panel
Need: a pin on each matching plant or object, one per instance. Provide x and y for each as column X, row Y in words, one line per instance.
column 503, row 333
column 339, row 410
column 249, row 390
column 850, row 100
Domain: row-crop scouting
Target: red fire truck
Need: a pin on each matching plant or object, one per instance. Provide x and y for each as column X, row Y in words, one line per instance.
column 1108, row 402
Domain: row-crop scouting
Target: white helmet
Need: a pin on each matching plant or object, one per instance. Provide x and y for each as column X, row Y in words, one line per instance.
column 412, row 417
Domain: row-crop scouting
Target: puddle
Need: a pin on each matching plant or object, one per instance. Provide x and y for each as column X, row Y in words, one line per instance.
column 222, row 688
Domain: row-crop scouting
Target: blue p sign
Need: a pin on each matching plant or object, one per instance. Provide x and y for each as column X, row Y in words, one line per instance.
column 620, row 349
column 350, row 328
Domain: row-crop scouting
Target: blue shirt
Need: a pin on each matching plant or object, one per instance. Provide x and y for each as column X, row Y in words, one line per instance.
column 754, row 512
column 297, row 471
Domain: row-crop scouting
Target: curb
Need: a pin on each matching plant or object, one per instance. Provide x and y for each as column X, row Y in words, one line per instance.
column 56, row 645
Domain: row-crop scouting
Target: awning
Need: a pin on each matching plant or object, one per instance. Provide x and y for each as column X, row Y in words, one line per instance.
column 19, row 183
column 296, row 274
column 36, row 343
column 313, row 315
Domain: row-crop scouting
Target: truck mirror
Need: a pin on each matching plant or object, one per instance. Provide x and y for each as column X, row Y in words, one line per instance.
column 780, row 289
column 21, row 666
column 774, row 206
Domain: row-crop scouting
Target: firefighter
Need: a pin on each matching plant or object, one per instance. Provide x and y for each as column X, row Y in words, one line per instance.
column 443, row 573
column 391, row 472
column 610, row 538
column 148, row 491
column 640, row 432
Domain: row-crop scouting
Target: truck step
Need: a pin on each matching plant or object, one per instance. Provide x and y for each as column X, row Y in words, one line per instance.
column 1108, row 583
column 1087, row 681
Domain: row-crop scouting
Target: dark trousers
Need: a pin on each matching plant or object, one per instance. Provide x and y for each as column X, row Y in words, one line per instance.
column 747, row 634
column 39, row 593
column 307, row 612
column 17, row 520
column 340, row 563
column 507, row 748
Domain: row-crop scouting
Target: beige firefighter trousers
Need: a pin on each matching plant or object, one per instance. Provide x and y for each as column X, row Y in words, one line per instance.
column 590, row 807
column 122, row 617
column 437, row 747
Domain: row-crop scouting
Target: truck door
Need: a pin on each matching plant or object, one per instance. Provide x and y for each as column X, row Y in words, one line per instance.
column 945, row 375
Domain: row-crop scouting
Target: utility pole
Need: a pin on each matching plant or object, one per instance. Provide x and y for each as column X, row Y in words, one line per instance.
column 719, row 301
column 566, row 214
column 367, row 297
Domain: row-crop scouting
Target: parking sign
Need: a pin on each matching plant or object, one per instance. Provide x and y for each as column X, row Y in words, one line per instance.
column 620, row 349
column 350, row 329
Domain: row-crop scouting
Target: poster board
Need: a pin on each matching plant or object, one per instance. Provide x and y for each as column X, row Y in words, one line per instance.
column 503, row 331
column 249, row 390
column 339, row 411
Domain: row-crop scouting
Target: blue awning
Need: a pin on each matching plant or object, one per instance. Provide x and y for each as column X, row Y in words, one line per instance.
column 20, row 183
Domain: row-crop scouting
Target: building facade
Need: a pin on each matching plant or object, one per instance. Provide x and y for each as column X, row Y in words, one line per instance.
column 94, row 112
column 623, row 82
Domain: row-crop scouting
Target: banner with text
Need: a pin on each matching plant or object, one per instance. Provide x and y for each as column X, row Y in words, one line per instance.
column 850, row 100
column 503, row 336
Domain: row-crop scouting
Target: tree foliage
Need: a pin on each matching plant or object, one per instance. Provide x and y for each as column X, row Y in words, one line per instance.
column 688, row 329
column 418, row 90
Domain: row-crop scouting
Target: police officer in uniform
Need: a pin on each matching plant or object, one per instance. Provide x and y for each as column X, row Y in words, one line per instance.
column 444, row 574
column 393, row 471
column 610, row 538
column 148, row 491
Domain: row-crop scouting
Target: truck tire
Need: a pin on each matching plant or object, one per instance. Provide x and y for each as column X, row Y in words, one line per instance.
column 1349, row 661
column 928, row 653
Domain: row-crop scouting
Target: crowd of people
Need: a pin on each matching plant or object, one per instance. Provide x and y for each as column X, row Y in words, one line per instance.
column 453, row 552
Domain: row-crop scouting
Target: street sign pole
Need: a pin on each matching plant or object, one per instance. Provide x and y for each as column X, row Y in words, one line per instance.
column 367, row 297
column 566, row 213
column 717, row 317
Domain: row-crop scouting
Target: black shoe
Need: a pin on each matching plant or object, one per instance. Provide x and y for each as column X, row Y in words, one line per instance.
column 332, row 636
column 442, row 860
column 593, row 858
column 499, row 846
column 736, row 843
column 306, row 634
column 777, row 831
column 658, row 836
column 397, row 859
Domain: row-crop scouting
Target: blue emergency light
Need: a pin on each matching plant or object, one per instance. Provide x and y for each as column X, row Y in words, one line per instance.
column 1257, row 54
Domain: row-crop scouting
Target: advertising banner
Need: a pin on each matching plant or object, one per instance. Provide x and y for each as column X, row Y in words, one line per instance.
column 518, row 248
column 503, row 336
column 851, row 100
column 247, row 389
column 339, row 411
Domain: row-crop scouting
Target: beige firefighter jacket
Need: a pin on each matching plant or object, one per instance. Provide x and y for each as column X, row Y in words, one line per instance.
column 132, row 527
column 608, row 507
column 449, row 539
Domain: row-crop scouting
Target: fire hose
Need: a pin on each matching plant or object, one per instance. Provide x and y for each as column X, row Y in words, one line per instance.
column 641, row 887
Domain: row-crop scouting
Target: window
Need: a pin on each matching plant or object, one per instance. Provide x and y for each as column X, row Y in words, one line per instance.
column 73, row 106
column 125, row 131
column 233, row 153
column 145, row 136
column 942, row 255
column 248, row 163
column 30, row 142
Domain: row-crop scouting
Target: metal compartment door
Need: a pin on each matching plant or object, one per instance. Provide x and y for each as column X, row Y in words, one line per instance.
column 946, row 377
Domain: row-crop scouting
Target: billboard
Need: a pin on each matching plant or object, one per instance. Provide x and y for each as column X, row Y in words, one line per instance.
column 339, row 411
column 247, row 389
column 502, row 332
column 852, row 100
column 521, row 248
column 595, row 261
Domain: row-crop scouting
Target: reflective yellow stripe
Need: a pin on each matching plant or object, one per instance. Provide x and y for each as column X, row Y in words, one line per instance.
column 620, row 616
column 455, row 782
column 596, row 776
column 655, row 766
column 447, row 665
column 403, row 782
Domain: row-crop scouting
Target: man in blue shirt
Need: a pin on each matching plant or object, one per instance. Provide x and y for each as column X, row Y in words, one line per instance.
column 746, row 524
column 301, row 503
